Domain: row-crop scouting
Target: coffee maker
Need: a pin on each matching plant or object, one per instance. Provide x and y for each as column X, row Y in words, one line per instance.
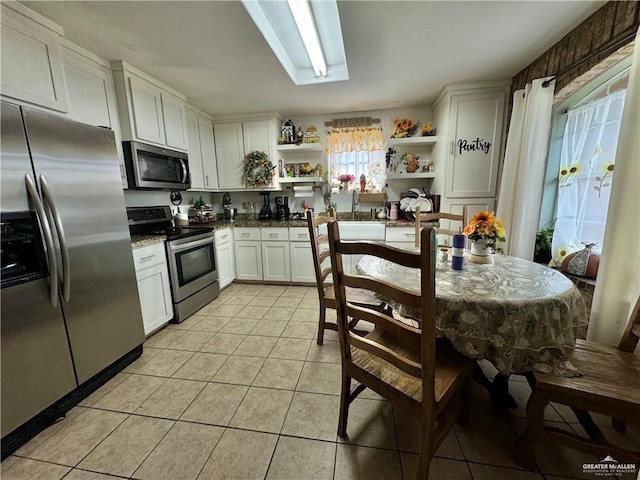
column 265, row 210
column 282, row 208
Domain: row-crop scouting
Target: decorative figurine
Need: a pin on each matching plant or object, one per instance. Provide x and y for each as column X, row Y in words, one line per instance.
column 288, row 131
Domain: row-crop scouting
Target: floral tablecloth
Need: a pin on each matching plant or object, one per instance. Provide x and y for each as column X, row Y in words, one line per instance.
column 519, row 315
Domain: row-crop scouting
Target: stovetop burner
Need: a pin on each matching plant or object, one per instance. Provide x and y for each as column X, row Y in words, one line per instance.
column 159, row 221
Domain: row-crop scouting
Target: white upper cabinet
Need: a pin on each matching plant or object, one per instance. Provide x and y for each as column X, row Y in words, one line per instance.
column 202, row 154
column 175, row 126
column 31, row 65
column 92, row 97
column 149, row 111
column 234, row 140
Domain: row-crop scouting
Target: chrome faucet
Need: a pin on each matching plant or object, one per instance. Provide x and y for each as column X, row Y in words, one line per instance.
column 353, row 204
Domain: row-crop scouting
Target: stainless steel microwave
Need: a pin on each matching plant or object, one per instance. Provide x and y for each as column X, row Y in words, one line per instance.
column 155, row 167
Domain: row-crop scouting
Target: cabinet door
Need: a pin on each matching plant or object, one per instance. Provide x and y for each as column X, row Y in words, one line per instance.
column 208, row 154
column 92, row 96
column 229, row 155
column 260, row 135
column 195, row 158
column 225, row 257
column 474, row 153
column 155, row 297
column 275, row 261
column 31, row 68
column 302, row 268
column 248, row 260
column 146, row 104
column 175, row 125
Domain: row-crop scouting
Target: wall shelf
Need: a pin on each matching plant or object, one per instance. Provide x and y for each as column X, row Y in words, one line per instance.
column 303, row 147
column 409, row 176
column 299, row 179
column 399, row 142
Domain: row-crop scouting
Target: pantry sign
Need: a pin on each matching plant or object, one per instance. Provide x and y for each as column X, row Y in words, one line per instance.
column 477, row 145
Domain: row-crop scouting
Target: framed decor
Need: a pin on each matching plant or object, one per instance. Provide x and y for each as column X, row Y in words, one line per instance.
column 257, row 170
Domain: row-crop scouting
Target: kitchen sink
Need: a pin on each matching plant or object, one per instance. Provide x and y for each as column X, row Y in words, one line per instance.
column 358, row 230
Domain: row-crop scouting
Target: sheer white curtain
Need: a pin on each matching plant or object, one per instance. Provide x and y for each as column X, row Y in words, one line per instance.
column 524, row 165
column 618, row 283
column 586, row 170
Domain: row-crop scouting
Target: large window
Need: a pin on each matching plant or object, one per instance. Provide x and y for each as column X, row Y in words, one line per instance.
column 356, row 152
column 586, row 167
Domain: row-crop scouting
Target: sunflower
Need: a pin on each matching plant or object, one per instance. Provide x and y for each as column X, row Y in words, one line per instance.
column 564, row 172
column 608, row 167
column 484, row 217
column 575, row 169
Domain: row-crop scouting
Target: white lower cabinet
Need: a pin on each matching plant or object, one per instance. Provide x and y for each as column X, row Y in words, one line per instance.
column 153, row 286
column 302, row 266
column 248, row 253
column 275, row 261
column 225, row 257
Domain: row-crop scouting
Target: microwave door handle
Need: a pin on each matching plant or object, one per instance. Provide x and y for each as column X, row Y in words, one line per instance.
column 185, row 171
column 48, row 239
column 64, row 250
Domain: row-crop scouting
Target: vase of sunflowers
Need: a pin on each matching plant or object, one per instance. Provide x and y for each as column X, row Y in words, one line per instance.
column 484, row 231
column 411, row 162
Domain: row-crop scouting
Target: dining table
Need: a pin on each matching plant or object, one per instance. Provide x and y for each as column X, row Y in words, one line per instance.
column 520, row 315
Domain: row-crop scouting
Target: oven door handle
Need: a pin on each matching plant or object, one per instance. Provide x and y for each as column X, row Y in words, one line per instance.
column 189, row 245
column 48, row 239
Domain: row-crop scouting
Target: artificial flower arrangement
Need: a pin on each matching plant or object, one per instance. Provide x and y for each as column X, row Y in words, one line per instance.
column 410, row 159
column 345, row 178
column 404, row 127
column 428, row 130
column 485, row 226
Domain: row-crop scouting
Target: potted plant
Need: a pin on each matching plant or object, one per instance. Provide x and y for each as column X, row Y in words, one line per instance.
column 542, row 252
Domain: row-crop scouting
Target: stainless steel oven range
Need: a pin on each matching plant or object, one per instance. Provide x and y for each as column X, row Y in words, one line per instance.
column 190, row 257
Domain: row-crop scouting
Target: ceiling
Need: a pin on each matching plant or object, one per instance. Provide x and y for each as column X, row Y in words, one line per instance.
column 399, row 53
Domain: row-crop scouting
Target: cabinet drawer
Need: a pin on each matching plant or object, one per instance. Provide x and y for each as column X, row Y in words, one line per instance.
column 247, row 233
column 274, row 234
column 299, row 234
column 400, row 234
column 223, row 236
column 148, row 256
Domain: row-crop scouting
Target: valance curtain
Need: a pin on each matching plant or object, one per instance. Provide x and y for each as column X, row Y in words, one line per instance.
column 586, row 170
column 524, row 161
column 357, row 151
column 618, row 283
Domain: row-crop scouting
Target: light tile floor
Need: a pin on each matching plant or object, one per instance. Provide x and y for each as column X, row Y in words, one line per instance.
column 242, row 391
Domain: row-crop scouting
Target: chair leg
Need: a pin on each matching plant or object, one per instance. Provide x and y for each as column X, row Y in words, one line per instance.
column 525, row 450
column 463, row 416
column 321, row 321
column 344, row 405
column 424, row 459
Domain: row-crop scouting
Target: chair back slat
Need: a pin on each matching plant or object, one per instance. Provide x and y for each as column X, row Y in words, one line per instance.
column 406, row 365
column 432, row 217
column 423, row 342
column 631, row 334
column 316, row 240
column 401, row 330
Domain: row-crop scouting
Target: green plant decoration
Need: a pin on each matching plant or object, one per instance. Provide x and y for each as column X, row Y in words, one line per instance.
column 257, row 170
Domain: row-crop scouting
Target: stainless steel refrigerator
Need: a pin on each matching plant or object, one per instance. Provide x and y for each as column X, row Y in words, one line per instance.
column 69, row 306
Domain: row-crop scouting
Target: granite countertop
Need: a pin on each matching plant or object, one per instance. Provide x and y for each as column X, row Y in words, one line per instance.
column 139, row 241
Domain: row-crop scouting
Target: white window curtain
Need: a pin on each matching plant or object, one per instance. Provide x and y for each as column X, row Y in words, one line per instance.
column 586, row 170
column 357, row 151
column 618, row 283
column 524, row 166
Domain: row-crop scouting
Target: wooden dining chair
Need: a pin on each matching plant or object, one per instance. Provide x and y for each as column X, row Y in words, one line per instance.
column 404, row 364
column 610, row 385
column 322, row 266
column 436, row 217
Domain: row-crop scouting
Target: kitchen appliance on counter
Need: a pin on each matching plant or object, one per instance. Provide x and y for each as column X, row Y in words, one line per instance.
column 265, row 211
column 282, row 208
column 151, row 167
column 190, row 256
column 70, row 313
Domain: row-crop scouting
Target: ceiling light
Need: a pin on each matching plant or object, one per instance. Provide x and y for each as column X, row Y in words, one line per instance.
column 318, row 59
column 307, row 28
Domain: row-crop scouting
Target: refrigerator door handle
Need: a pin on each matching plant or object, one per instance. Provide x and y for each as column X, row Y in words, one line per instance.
column 48, row 239
column 185, row 171
column 64, row 250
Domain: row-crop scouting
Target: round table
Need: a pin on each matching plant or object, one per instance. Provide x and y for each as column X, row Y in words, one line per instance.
column 515, row 313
